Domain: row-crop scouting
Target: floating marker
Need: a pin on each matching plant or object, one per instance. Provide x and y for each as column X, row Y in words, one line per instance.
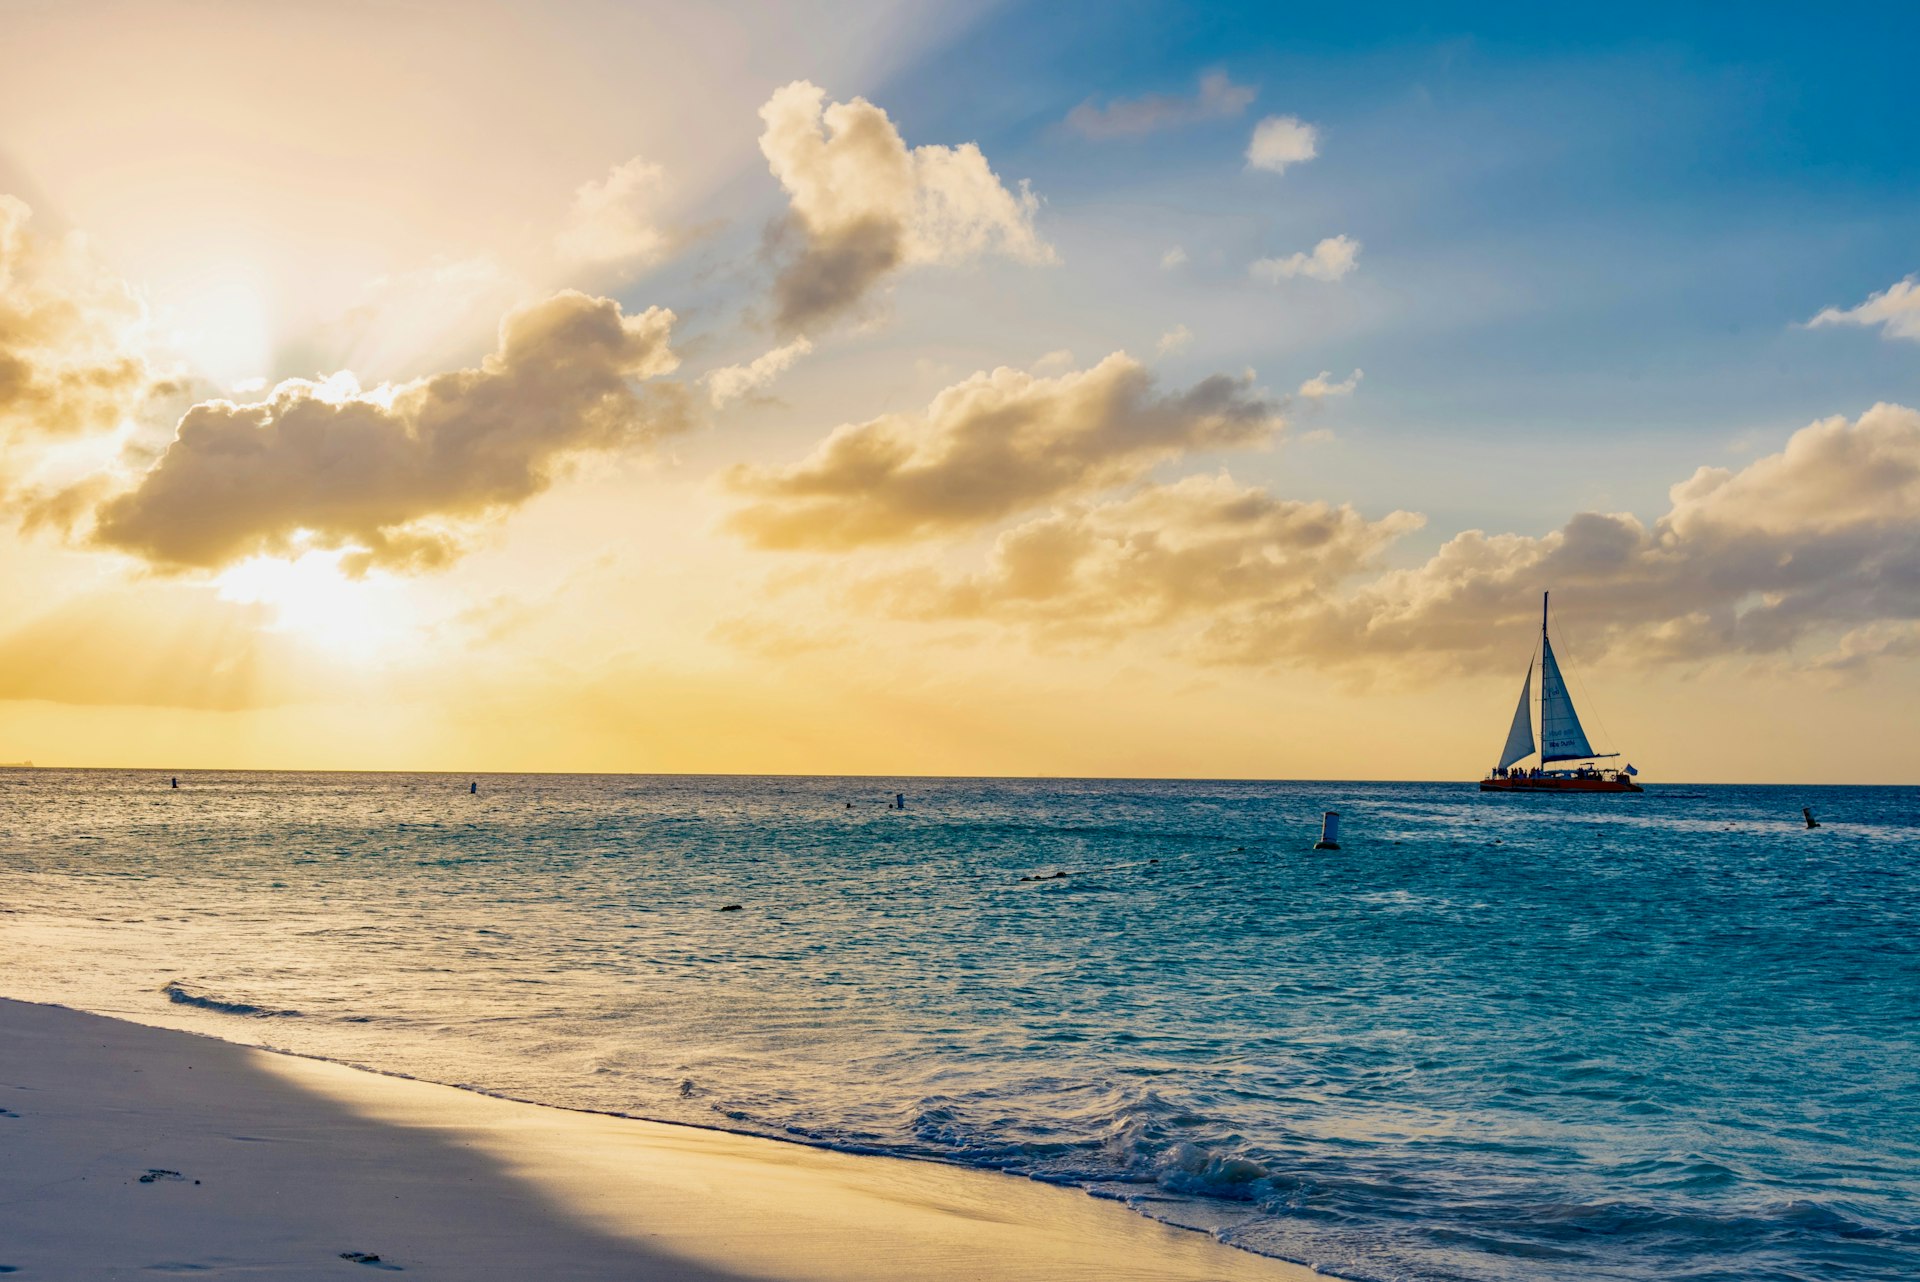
column 1329, row 832
column 1808, row 812
column 899, row 801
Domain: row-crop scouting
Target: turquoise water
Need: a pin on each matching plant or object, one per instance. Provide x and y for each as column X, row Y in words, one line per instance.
column 1656, row 1037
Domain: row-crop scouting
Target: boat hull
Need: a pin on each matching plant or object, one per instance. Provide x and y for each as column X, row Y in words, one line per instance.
column 1560, row 784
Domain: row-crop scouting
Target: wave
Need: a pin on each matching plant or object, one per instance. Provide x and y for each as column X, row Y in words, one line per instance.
column 179, row 994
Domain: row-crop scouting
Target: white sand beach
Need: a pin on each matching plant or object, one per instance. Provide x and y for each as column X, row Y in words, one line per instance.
column 128, row 1151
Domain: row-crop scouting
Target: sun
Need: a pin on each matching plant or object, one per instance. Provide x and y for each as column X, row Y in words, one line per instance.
column 362, row 618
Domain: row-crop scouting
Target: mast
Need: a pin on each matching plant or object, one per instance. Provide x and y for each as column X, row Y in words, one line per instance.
column 1543, row 678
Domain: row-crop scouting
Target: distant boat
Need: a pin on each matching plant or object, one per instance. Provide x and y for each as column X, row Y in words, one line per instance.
column 1562, row 740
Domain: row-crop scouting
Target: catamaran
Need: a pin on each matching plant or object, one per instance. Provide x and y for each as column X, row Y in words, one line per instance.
column 1562, row 740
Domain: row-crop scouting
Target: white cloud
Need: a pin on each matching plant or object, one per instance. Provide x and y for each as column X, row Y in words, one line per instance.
column 866, row 206
column 1173, row 258
column 1217, row 98
column 1330, row 260
column 615, row 220
column 1174, row 340
column 1321, row 385
column 1895, row 309
column 1280, row 141
column 731, row 382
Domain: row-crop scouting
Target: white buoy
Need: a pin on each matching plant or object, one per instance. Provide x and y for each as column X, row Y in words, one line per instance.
column 1329, row 832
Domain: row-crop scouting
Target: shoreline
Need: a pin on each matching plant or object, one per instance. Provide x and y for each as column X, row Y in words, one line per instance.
column 134, row 1147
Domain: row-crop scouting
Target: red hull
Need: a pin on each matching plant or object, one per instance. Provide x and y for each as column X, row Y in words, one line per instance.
column 1561, row 784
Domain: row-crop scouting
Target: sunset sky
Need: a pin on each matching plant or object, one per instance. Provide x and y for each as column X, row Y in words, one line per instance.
column 1064, row 389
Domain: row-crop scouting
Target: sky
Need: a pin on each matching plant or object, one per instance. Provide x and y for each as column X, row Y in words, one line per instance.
column 1126, row 389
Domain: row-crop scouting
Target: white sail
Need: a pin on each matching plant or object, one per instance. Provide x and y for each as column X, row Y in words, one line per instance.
column 1561, row 738
column 1520, row 737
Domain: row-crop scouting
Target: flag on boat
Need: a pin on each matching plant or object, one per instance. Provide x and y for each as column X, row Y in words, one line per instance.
column 1630, row 770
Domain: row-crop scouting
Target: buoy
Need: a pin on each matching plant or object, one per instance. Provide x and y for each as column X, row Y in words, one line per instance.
column 1808, row 812
column 1329, row 832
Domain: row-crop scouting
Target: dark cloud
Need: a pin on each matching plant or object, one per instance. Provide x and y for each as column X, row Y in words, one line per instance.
column 1217, row 98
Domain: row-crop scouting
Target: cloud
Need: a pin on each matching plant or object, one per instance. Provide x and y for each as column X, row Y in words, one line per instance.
column 615, row 220
column 1330, row 260
column 1280, row 141
column 69, row 364
column 1821, row 537
column 1174, row 340
column 864, row 206
column 1217, row 98
column 1173, row 258
column 1162, row 553
column 394, row 472
column 1896, row 310
column 731, row 382
column 1321, row 385
column 1809, row 557
column 991, row 447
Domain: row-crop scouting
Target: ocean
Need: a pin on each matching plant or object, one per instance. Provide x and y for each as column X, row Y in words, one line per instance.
column 1668, row 1036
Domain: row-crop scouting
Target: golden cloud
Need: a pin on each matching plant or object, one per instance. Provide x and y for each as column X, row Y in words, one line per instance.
column 1821, row 537
column 392, row 471
column 1162, row 553
column 68, row 364
column 994, row 446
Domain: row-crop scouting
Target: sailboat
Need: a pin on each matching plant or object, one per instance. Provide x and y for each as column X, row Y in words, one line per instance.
column 1562, row 739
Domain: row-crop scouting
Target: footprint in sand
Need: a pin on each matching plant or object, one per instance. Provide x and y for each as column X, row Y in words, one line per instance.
column 154, row 1175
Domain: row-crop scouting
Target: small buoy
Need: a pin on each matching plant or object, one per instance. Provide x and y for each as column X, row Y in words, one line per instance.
column 1808, row 812
column 1329, row 832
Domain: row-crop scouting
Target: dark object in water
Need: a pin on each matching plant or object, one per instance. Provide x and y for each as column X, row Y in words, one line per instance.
column 155, row 1175
column 1329, row 831
column 729, row 908
column 1808, row 812
column 360, row 1257
column 1045, row 876
column 175, row 782
column 473, row 787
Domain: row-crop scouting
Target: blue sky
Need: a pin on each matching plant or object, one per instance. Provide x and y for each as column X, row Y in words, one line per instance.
column 1590, row 235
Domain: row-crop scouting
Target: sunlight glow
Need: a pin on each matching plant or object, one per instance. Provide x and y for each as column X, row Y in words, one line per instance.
column 311, row 597
column 221, row 324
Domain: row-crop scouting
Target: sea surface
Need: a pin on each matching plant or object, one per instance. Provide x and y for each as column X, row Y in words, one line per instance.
column 1670, row 1036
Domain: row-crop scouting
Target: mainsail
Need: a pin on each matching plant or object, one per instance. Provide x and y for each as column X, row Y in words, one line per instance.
column 1561, row 738
column 1520, row 737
